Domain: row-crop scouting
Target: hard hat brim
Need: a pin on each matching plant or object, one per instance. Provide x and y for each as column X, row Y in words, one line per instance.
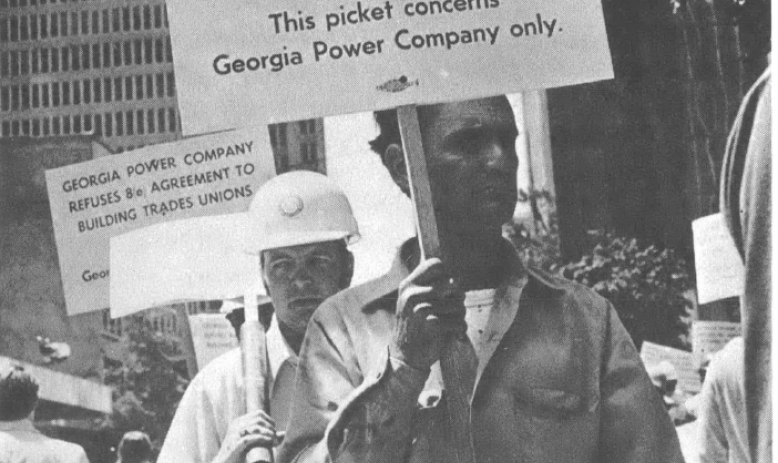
column 301, row 238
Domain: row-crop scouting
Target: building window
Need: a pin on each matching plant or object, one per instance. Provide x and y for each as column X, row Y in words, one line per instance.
column 86, row 61
column 5, row 64
column 63, row 23
column 150, row 121
column 119, row 124
column 36, row 128
column 157, row 16
column 161, row 120
column 44, row 59
column 24, row 29
column 117, row 54
column 168, row 50
column 147, row 17
column 14, row 63
column 15, row 128
column 126, row 18
column 130, row 125
column 24, row 57
column 65, row 93
column 35, row 61
column 55, row 59
column 34, row 27
column 98, row 124
column 36, row 101
column 25, row 91
column 85, row 22
column 25, row 127
column 138, row 87
column 136, row 22
column 138, row 50
column 5, row 98
column 95, row 22
column 159, row 50
column 108, row 125
column 96, row 56
column 15, row 99
column 149, row 86
column 148, row 52
column 54, row 25
column 87, row 91
column 160, row 85
column 75, row 58
column 117, row 90
column 65, row 59
column 45, row 95
column 127, row 53
column 55, row 100
column 87, row 123
column 55, row 126
column 74, row 23
column 6, row 128
column 77, row 123
column 106, row 22
column 106, row 54
column 128, row 94
column 116, row 26
column 76, row 92
column 4, row 29
column 14, row 29
column 66, row 125
column 44, row 19
column 171, row 85
column 108, row 90
column 171, row 120
column 98, row 91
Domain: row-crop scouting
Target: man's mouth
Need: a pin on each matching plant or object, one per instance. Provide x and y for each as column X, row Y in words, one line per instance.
column 306, row 303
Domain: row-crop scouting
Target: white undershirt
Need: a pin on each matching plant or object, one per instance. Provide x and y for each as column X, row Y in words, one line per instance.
column 479, row 304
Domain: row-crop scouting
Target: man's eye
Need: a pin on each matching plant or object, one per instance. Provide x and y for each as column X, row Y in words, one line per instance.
column 321, row 262
column 281, row 267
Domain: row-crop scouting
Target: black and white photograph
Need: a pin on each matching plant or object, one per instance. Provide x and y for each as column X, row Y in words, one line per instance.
column 385, row 231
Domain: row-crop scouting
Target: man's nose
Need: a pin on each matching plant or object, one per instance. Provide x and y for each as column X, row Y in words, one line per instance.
column 302, row 278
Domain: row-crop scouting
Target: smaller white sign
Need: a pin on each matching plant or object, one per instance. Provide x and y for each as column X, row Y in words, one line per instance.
column 212, row 336
column 709, row 337
column 718, row 264
column 688, row 377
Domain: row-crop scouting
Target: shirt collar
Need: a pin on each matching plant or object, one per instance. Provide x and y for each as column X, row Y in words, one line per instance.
column 19, row 425
column 278, row 350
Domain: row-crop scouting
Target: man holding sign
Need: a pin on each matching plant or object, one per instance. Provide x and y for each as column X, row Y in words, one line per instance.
column 553, row 373
column 302, row 226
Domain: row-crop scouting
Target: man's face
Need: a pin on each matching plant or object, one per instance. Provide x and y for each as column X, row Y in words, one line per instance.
column 472, row 162
column 299, row 278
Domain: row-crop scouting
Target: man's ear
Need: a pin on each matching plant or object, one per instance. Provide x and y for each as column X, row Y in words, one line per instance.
column 395, row 163
column 348, row 271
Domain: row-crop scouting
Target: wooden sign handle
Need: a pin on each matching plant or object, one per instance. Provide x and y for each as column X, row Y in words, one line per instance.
column 455, row 376
column 255, row 363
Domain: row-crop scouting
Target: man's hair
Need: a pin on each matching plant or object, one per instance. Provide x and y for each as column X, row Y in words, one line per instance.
column 18, row 394
column 388, row 131
column 135, row 447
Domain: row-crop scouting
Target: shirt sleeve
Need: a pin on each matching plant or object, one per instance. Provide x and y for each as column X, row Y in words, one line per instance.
column 193, row 435
column 342, row 414
column 635, row 427
column 712, row 437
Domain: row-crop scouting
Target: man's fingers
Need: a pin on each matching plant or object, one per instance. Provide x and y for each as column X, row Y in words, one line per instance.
column 256, row 440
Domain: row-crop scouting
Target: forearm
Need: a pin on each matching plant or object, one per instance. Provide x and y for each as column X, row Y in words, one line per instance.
column 376, row 423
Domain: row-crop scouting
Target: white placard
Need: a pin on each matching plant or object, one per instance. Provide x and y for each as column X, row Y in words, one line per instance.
column 718, row 264
column 688, row 377
column 212, row 336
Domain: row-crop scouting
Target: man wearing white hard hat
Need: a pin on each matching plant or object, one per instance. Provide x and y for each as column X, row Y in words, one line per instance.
column 301, row 225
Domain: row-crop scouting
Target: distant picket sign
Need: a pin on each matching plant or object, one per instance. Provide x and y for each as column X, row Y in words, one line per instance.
column 95, row 200
column 241, row 61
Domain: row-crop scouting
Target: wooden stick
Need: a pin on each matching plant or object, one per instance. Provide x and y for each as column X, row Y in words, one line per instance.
column 458, row 389
column 255, row 365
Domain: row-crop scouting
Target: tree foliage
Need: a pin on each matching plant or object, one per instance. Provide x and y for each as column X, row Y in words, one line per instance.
column 148, row 384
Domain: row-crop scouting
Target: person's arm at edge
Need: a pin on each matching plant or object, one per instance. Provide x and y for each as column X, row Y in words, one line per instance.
column 635, row 427
column 342, row 414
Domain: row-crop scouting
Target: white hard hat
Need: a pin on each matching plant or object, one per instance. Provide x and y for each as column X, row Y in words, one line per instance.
column 299, row 207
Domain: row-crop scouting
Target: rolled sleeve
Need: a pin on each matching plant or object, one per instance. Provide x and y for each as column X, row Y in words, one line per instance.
column 635, row 428
column 342, row 416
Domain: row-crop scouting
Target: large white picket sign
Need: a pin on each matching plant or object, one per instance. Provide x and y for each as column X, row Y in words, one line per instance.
column 95, row 200
column 244, row 61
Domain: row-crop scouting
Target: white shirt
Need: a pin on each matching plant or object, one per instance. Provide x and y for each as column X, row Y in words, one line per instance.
column 20, row 442
column 216, row 396
column 723, row 408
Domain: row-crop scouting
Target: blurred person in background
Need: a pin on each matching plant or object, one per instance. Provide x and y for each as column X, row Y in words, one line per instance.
column 20, row 442
column 135, row 447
